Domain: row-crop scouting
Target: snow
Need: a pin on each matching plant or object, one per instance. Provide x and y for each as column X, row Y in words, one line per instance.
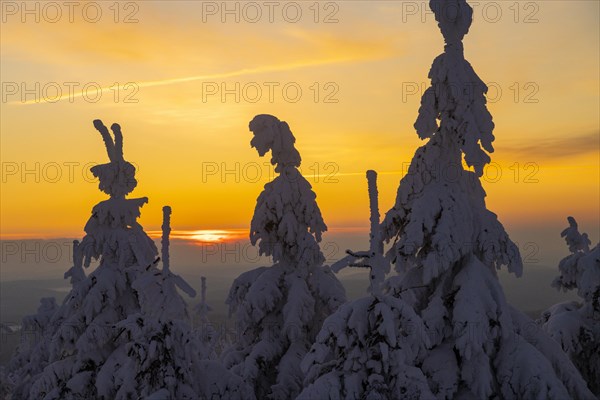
column 437, row 327
column 366, row 348
column 117, row 178
column 372, row 259
column 123, row 331
column 576, row 325
column 446, row 247
column 279, row 309
column 364, row 351
column 454, row 18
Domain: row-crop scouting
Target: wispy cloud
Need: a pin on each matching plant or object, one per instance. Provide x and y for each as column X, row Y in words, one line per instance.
column 207, row 77
column 548, row 148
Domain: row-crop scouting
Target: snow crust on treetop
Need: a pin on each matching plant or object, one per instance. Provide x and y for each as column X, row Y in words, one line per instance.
column 117, row 178
column 575, row 240
column 454, row 18
column 272, row 134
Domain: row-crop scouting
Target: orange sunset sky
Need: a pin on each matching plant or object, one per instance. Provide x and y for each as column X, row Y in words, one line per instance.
column 360, row 75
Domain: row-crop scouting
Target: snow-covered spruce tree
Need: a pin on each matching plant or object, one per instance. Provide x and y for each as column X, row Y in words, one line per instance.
column 162, row 357
column 576, row 325
column 31, row 354
column 279, row 309
column 156, row 345
column 81, row 329
column 366, row 349
column 447, row 247
column 93, row 338
column 5, row 383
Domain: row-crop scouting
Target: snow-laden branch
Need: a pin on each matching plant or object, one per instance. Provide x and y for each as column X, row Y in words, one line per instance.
column 117, row 178
column 108, row 141
column 118, row 153
column 575, row 240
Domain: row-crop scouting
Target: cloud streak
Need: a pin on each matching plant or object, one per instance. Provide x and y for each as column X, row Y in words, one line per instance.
column 551, row 148
column 231, row 74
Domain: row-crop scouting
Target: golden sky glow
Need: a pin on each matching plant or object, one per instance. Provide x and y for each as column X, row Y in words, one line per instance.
column 204, row 236
column 191, row 145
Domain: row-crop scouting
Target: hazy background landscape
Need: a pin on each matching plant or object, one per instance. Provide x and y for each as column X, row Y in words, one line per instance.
column 32, row 269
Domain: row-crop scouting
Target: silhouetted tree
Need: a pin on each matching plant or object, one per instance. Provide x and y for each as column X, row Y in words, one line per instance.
column 279, row 309
column 123, row 330
column 366, row 349
column 576, row 324
column 447, row 247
